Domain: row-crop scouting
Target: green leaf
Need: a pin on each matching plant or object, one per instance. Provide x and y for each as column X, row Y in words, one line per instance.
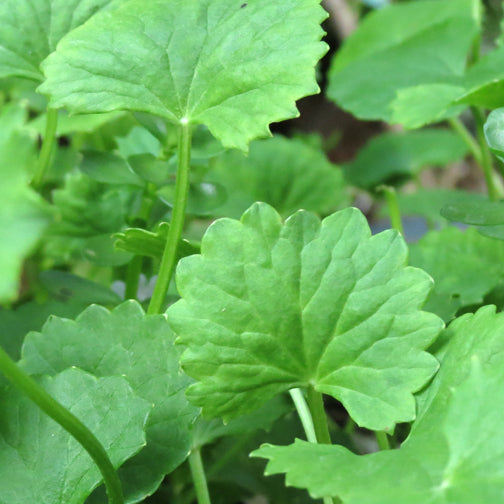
column 494, row 132
column 221, row 63
column 45, row 464
column 459, row 280
column 390, row 157
column 479, row 213
column 268, row 307
column 108, row 168
column 287, row 174
column 454, row 452
column 23, row 213
column 399, row 47
column 29, row 31
column 140, row 348
column 146, row 243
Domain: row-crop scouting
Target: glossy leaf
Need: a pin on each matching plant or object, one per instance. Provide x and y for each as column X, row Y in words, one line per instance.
column 23, row 213
column 454, row 452
column 494, row 132
column 287, row 174
column 128, row 343
column 459, row 280
column 45, row 464
column 268, row 306
column 395, row 157
column 400, row 47
column 222, row 63
column 29, row 31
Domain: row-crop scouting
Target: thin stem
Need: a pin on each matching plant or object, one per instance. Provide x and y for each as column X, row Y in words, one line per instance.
column 177, row 221
column 486, row 156
column 68, row 421
column 382, row 440
column 198, row 476
column 133, row 277
column 473, row 146
column 47, row 147
column 393, row 206
column 304, row 414
column 316, row 405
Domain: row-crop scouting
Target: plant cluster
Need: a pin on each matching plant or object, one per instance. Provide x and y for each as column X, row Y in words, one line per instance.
column 180, row 292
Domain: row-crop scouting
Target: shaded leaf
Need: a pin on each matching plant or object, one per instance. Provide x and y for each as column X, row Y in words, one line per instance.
column 46, row 464
column 108, row 168
column 268, row 306
column 475, row 212
column 140, row 348
column 204, row 62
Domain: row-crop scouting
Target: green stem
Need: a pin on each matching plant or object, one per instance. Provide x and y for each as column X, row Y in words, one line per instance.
column 177, row 221
column 68, row 421
column 486, row 156
column 393, row 206
column 316, row 405
column 198, row 476
column 473, row 146
column 382, row 440
column 304, row 414
column 133, row 277
column 47, row 147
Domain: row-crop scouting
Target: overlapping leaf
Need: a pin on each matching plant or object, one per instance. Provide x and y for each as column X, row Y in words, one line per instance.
column 269, row 306
column 223, row 63
column 42, row 462
column 455, row 451
column 401, row 48
column 125, row 342
column 459, row 280
column 287, row 174
column 30, row 30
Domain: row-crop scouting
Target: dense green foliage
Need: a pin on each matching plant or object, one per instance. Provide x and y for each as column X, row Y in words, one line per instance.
column 178, row 291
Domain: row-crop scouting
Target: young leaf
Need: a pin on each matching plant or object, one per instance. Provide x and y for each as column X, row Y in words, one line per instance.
column 268, row 306
column 454, row 452
column 449, row 257
column 391, row 156
column 45, row 464
column 125, row 342
column 221, row 63
column 287, row 174
column 400, row 47
column 29, row 31
column 494, row 132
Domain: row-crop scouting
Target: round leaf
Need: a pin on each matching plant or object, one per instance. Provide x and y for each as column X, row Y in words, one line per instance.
column 268, row 306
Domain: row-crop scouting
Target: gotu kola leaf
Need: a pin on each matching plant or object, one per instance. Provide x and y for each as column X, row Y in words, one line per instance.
column 125, row 342
column 233, row 66
column 454, row 452
column 268, row 306
column 45, row 464
column 30, row 30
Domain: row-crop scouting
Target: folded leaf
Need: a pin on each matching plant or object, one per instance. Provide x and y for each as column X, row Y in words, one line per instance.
column 269, row 306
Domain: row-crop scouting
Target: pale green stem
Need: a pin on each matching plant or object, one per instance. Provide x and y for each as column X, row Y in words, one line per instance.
column 68, row 421
column 304, row 414
column 473, row 146
column 316, row 405
column 393, row 206
column 133, row 277
column 198, row 477
column 382, row 440
column 48, row 142
column 486, row 155
column 177, row 221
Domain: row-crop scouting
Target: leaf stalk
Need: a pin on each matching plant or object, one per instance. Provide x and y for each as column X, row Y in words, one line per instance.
column 68, row 421
column 48, row 142
column 198, row 476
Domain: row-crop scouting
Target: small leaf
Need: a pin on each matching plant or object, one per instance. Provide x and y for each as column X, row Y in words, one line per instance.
column 285, row 173
column 268, row 307
column 29, row 31
column 479, row 213
column 494, row 132
column 203, row 62
column 454, row 451
column 392, row 156
column 403, row 46
column 45, row 464
column 108, row 168
column 140, row 348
